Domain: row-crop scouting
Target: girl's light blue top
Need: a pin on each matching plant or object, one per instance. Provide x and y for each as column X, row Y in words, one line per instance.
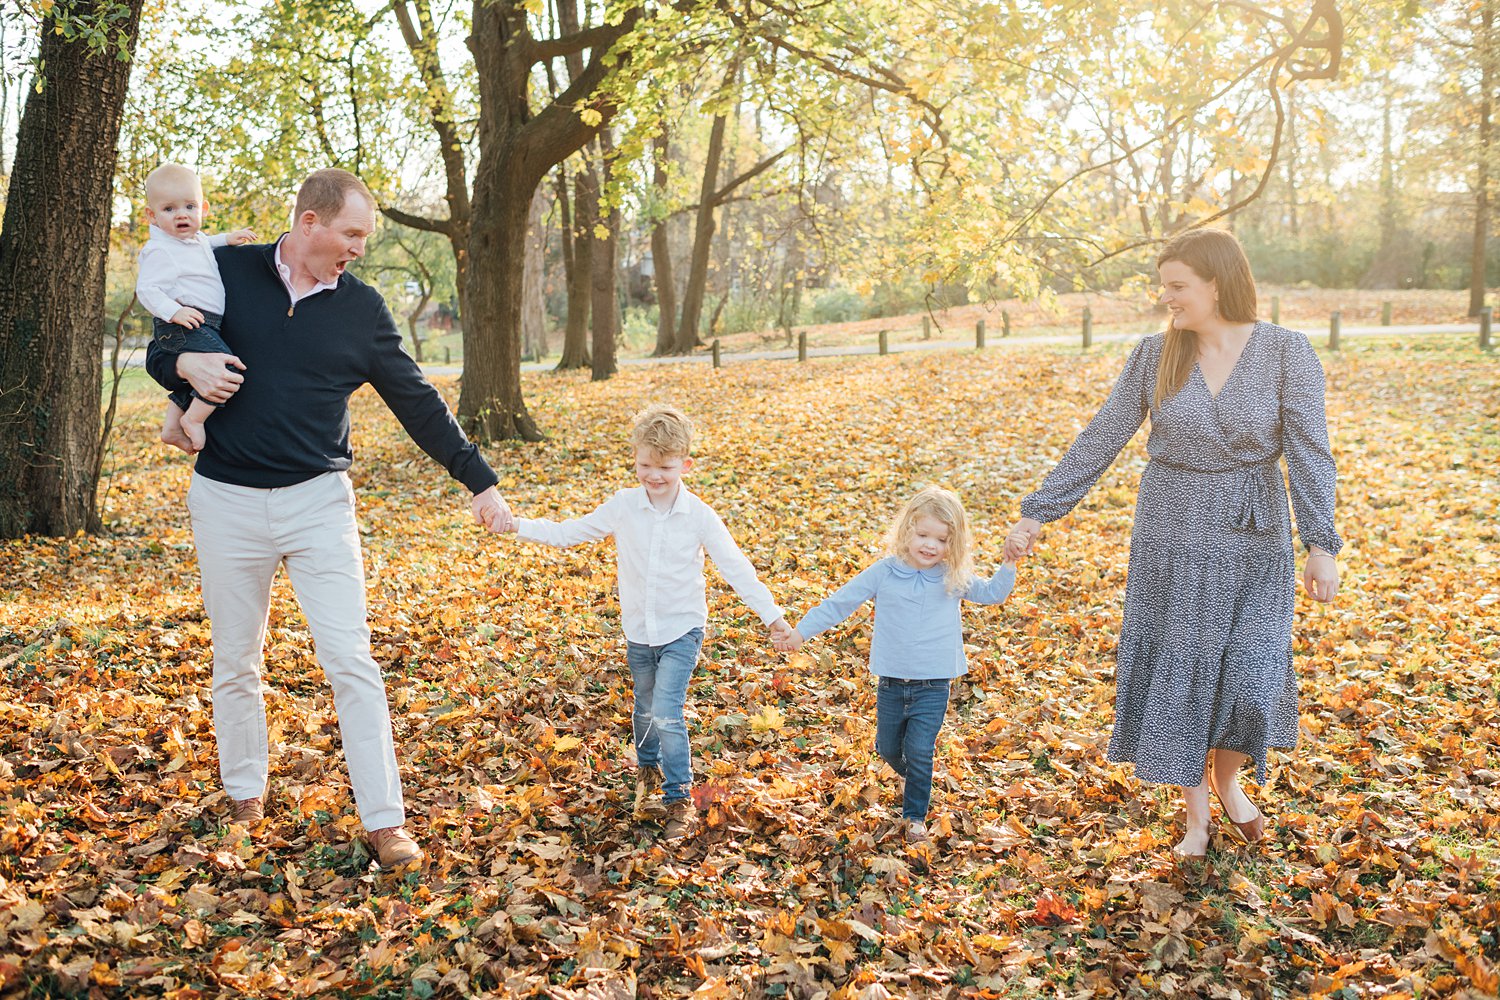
column 918, row 635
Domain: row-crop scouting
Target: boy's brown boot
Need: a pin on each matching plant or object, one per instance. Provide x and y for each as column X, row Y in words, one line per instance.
column 392, row 846
column 647, row 785
column 682, row 819
column 247, row 811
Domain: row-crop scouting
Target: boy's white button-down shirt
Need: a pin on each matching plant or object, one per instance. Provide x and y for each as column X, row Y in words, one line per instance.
column 172, row 273
column 660, row 557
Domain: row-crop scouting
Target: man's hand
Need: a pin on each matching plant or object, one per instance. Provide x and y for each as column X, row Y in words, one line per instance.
column 208, row 376
column 491, row 511
column 240, row 237
column 189, row 317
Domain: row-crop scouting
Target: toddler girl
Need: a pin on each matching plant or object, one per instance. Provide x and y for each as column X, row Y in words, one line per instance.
column 918, row 647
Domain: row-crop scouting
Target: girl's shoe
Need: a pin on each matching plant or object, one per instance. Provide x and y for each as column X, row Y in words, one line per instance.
column 916, row 832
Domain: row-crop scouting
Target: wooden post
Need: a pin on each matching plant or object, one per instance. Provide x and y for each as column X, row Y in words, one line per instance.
column 1333, row 331
column 1385, row 314
column 716, row 352
column 1485, row 316
column 1088, row 327
column 802, row 346
column 1276, row 309
column 1005, row 322
column 926, row 327
column 885, row 346
column 979, row 335
column 447, row 355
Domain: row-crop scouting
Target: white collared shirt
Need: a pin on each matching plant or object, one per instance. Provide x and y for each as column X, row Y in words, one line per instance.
column 660, row 557
column 286, row 279
column 174, row 272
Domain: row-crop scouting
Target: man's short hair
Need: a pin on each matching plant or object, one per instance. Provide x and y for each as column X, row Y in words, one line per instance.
column 325, row 192
column 663, row 429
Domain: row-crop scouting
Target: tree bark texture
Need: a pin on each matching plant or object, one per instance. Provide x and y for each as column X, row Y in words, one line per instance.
column 53, row 245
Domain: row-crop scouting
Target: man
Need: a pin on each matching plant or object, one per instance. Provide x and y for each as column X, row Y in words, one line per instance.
column 270, row 488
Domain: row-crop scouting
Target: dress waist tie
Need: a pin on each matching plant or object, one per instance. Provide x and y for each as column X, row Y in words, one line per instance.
column 1256, row 513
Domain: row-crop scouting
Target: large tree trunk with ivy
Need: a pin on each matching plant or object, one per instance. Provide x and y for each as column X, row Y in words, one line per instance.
column 53, row 246
column 517, row 146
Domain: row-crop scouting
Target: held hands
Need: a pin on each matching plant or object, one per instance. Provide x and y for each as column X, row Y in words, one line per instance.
column 1022, row 538
column 189, row 317
column 784, row 638
column 240, row 237
column 492, row 512
column 1321, row 575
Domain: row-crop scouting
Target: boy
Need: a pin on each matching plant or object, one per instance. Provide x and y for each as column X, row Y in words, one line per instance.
column 178, row 283
column 661, row 534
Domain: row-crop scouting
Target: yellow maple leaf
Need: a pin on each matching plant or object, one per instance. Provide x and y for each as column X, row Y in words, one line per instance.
column 767, row 720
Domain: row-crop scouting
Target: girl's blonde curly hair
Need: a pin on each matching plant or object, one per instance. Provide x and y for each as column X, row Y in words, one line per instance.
column 945, row 506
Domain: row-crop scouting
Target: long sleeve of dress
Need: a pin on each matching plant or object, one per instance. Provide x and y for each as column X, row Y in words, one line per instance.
column 1304, row 441
column 1100, row 442
column 842, row 602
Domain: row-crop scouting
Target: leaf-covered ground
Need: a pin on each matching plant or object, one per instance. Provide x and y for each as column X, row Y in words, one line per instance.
column 507, row 679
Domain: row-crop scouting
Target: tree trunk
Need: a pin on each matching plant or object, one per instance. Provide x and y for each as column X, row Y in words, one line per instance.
column 703, row 238
column 533, row 309
column 1479, row 265
column 661, row 257
column 1293, row 225
column 575, row 353
column 412, row 319
column 605, row 302
column 517, row 147
column 53, row 245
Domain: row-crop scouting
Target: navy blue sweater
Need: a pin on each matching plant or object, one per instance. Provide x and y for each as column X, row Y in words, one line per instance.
column 289, row 421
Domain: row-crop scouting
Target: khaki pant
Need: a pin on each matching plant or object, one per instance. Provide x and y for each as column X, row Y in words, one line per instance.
column 242, row 535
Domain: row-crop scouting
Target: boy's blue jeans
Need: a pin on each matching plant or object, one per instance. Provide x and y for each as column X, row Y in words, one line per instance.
column 661, row 675
column 908, row 715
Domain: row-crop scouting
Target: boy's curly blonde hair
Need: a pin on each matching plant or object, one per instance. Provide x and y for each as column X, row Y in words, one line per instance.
column 663, row 429
column 945, row 506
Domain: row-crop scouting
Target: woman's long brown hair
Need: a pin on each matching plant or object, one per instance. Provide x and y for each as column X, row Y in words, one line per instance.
column 1214, row 255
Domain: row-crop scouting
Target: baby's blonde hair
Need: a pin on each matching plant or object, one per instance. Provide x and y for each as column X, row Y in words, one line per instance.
column 663, row 429
column 945, row 506
column 171, row 175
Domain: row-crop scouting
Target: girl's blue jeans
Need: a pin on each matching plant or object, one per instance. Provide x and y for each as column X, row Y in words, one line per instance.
column 908, row 715
column 661, row 675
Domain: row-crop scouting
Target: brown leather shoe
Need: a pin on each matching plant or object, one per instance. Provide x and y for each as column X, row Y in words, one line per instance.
column 247, row 811
column 647, row 785
column 392, row 846
column 682, row 819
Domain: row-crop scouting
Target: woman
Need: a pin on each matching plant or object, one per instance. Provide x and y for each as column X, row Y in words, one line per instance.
column 1204, row 671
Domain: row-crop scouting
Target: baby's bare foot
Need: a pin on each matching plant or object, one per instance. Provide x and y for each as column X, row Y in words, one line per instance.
column 172, row 434
column 197, row 437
